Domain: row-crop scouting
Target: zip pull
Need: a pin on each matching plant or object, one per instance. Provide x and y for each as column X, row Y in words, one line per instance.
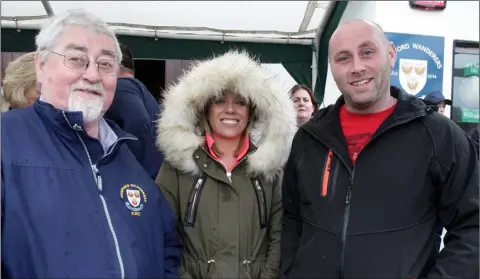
column 98, row 178
column 349, row 194
column 326, row 173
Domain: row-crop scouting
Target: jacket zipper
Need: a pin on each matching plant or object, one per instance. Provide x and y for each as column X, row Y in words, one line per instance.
column 193, row 202
column 326, row 173
column 346, row 218
column 262, row 206
column 194, row 198
column 348, row 196
column 98, row 181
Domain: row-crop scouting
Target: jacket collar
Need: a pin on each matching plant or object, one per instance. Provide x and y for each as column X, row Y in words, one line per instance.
column 325, row 125
column 68, row 124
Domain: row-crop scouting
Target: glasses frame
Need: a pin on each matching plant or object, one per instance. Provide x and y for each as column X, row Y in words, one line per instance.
column 115, row 69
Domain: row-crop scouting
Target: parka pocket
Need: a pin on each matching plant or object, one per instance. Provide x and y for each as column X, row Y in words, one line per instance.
column 329, row 175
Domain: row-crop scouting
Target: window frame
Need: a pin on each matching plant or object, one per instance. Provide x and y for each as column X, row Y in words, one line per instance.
column 456, row 45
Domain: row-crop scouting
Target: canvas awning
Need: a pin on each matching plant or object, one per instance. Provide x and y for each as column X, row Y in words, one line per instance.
column 284, row 32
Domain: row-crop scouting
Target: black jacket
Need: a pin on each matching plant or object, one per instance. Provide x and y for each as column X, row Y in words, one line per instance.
column 377, row 219
column 474, row 136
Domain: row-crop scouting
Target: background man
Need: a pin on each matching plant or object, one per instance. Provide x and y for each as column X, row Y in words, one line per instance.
column 134, row 109
column 437, row 99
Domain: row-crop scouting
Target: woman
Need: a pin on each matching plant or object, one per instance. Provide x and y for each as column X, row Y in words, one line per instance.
column 304, row 101
column 226, row 132
column 19, row 84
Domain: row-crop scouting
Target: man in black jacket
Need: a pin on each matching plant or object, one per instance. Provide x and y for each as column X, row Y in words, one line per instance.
column 368, row 178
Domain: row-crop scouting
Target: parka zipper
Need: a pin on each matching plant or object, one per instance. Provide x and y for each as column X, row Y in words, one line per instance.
column 262, row 205
column 195, row 194
column 193, row 202
column 99, row 182
column 348, row 196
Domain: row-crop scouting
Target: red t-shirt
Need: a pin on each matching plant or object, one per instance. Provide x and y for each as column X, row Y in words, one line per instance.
column 359, row 128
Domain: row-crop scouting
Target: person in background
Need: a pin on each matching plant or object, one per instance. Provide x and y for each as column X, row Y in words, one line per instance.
column 135, row 109
column 226, row 132
column 19, row 84
column 436, row 99
column 304, row 102
column 75, row 201
column 368, row 177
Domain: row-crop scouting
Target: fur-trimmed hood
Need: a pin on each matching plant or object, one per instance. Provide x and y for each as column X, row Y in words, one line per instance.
column 179, row 131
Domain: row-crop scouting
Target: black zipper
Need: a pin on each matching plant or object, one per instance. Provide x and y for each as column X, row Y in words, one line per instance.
column 193, row 202
column 262, row 205
column 346, row 218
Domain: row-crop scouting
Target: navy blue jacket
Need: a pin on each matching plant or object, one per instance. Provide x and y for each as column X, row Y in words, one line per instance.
column 72, row 210
column 134, row 109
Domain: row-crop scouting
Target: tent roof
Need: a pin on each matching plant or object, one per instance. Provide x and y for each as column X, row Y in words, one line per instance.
column 255, row 21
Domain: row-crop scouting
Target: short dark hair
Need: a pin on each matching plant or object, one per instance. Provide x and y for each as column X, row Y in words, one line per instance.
column 127, row 57
column 298, row 87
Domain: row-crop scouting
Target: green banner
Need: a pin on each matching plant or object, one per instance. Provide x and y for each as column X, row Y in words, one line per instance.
column 471, row 70
column 470, row 115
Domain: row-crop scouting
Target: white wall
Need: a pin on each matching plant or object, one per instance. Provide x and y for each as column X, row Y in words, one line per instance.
column 459, row 21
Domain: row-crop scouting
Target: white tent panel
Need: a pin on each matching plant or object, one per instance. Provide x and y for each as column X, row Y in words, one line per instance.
column 23, row 8
column 244, row 19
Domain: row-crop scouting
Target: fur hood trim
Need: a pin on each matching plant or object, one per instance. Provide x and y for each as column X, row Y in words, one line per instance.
column 179, row 133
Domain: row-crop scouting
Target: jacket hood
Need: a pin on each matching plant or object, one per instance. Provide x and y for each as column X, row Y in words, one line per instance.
column 179, row 133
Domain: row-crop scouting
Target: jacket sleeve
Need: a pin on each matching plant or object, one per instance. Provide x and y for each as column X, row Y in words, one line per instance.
column 167, row 182
column 272, row 265
column 292, row 226
column 457, row 174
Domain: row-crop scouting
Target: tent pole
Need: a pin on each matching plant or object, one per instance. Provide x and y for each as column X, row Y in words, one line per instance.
column 159, row 35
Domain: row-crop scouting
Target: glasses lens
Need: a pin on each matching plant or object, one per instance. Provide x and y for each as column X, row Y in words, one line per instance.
column 106, row 66
column 76, row 61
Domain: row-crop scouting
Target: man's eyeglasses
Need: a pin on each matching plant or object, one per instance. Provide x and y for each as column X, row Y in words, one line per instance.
column 81, row 62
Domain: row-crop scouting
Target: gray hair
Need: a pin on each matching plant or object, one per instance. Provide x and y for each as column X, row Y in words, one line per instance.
column 50, row 33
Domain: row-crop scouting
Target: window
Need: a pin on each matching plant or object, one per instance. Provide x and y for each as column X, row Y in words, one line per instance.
column 465, row 84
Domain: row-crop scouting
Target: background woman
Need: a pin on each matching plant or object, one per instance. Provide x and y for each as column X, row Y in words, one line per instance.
column 304, row 101
column 226, row 132
column 19, row 84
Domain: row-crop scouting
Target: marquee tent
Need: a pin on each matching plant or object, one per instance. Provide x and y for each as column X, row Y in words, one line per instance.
column 294, row 33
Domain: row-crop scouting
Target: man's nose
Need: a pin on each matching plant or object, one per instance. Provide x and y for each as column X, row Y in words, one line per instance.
column 358, row 66
column 91, row 73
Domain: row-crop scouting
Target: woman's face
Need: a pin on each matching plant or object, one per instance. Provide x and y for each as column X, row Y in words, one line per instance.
column 228, row 116
column 303, row 105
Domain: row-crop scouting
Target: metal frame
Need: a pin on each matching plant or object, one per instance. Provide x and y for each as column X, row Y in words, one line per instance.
column 465, row 44
column 47, row 7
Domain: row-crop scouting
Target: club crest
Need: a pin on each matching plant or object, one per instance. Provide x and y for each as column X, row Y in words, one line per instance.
column 134, row 198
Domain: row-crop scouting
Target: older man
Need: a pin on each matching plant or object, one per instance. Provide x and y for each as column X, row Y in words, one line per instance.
column 75, row 201
column 390, row 167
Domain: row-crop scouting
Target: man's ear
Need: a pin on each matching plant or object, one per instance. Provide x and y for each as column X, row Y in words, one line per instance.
column 392, row 54
column 39, row 65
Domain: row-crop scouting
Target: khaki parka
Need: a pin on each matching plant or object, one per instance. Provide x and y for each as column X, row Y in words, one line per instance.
column 230, row 223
